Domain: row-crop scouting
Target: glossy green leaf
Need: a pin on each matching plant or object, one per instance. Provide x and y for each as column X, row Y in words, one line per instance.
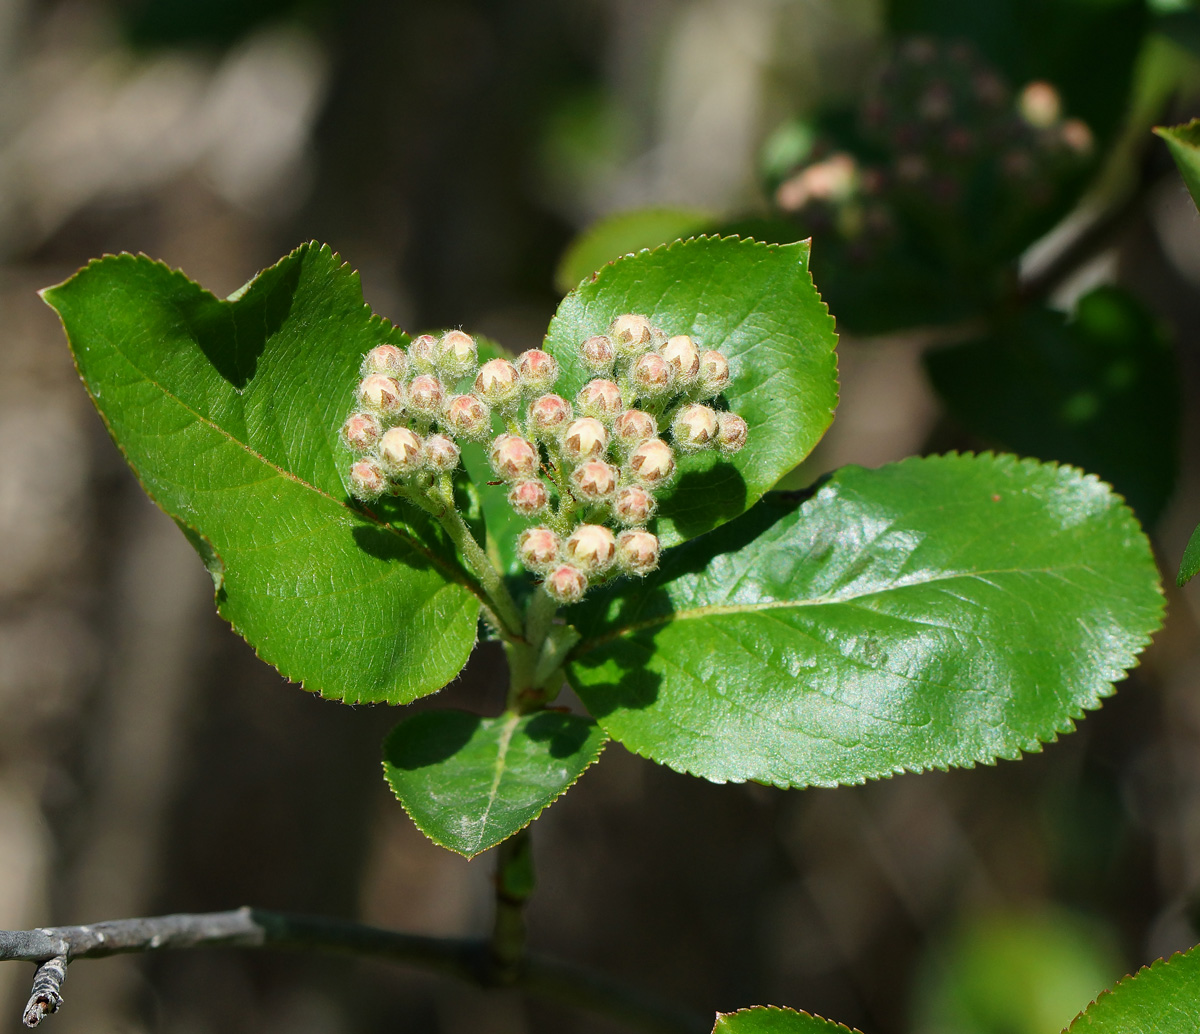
column 754, row 302
column 1163, row 998
column 1189, row 567
column 623, row 234
column 1184, row 143
column 469, row 782
column 229, row 411
column 934, row 612
column 1100, row 390
column 769, row 1019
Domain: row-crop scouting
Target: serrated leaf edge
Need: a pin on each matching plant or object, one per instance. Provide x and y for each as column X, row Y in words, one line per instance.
column 786, row 1010
column 1128, row 979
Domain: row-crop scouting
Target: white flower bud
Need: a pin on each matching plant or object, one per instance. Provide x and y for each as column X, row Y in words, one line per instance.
column 537, row 370
column 631, row 334
column 585, row 439
column 425, row 395
column 566, row 584
column 599, row 398
column 498, row 382
column 381, row 394
column 683, row 357
column 637, row 552
column 528, row 497
column 421, row 351
column 468, row 416
column 549, row 414
column 513, row 457
column 367, row 480
column 594, row 481
column 714, row 372
column 652, row 375
column 386, row 359
column 400, row 450
column 653, row 462
column 633, row 427
column 441, row 453
column 538, row 549
column 598, row 353
column 633, row 505
column 456, row 354
column 694, row 428
column 1040, row 104
column 731, row 432
column 592, row 548
column 361, row 431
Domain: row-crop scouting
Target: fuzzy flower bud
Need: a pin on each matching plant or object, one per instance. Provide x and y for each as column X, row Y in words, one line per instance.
column 592, row 548
column 594, row 481
column 361, row 431
column 633, row 506
column 637, row 552
column 598, row 353
column 421, row 351
column 367, row 480
column 731, row 432
column 652, row 462
column 528, row 497
column 652, row 375
column 566, row 584
column 441, row 453
column 585, row 439
column 468, row 416
column 456, row 354
column 498, row 382
column 513, row 457
column 387, row 359
column 631, row 334
column 694, row 428
column 425, row 395
column 599, row 398
column 714, row 372
column 381, row 394
column 549, row 414
column 633, row 427
column 400, row 450
column 683, row 357
column 538, row 549
column 537, row 370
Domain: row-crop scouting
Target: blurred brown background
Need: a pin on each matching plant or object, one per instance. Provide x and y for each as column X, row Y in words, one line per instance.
column 449, row 150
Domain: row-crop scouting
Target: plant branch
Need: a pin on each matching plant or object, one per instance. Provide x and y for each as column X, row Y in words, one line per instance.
column 514, row 884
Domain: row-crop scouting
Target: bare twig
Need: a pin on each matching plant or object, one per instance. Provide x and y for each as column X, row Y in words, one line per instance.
column 46, row 996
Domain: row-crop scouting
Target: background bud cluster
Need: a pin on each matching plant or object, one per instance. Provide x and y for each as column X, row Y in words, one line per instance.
column 587, row 472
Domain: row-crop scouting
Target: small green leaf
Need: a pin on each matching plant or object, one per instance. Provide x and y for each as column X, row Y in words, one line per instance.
column 769, row 1019
column 1163, row 998
column 934, row 612
column 1184, row 143
column 469, row 782
column 229, row 413
column 754, row 302
column 1189, row 567
column 623, row 234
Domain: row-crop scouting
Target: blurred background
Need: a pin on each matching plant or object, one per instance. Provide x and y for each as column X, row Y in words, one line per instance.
column 1011, row 265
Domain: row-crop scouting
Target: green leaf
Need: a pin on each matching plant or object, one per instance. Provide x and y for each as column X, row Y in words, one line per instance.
column 228, row 412
column 1184, row 144
column 754, row 302
column 934, row 612
column 769, row 1019
column 1163, row 998
column 1189, row 567
column 469, row 782
column 622, row 234
column 1100, row 390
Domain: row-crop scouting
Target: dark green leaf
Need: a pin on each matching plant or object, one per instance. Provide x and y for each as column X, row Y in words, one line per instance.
column 754, row 302
column 469, row 782
column 934, row 612
column 1184, row 143
column 1163, row 998
column 768, row 1019
column 1189, row 567
column 229, row 412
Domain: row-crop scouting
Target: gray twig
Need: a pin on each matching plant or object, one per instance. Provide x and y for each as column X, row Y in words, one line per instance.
column 46, row 996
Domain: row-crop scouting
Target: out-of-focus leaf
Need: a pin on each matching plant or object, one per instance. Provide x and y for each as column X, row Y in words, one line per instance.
column 1184, row 142
column 769, row 1019
column 1163, row 998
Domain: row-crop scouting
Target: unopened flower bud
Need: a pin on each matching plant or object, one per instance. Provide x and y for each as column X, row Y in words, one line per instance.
column 549, row 414
column 731, row 432
column 528, row 497
column 441, row 453
column 1077, row 136
column 592, row 548
column 367, row 480
column 421, row 351
column 566, row 584
column 537, row 370
column 598, row 353
column 637, row 552
column 386, row 359
column 633, row 427
column 694, row 428
column 538, row 549
column 652, row 375
column 498, row 382
column 630, row 334
column 513, row 457
column 456, row 354
column 1040, row 104
column 400, row 450
column 468, row 416
column 633, row 505
column 361, row 431
column 683, row 357
column 381, row 394
column 425, row 395
column 585, row 439
column 600, row 398
column 594, row 481
column 714, row 372
column 652, row 462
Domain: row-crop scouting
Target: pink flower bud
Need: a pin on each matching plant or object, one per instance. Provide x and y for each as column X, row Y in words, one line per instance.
column 600, row 398
column 387, row 359
column 633, row 427
column 594, row 481
column 585, row 439
column 683, row 357
column 652, row 462
column 592, row 548
column 513, row 457
column 361, row 431
column 694, row 428
column 441, row 453
column 538, row 549
column 652, row 375
column 731, row 432
column 456, row 354
column 425, row 395
column 549, row 414
column 498, row 382
column 598, row 353
column 468, row 416
column 537, row 370
column 566, row 584
column 421, row 351
column 367, row 480
column 633, row 505
column 631, row 334
column 637, row 552
column 528, row 497
column 381, row 394
column 400, row 450
column 714, row 372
